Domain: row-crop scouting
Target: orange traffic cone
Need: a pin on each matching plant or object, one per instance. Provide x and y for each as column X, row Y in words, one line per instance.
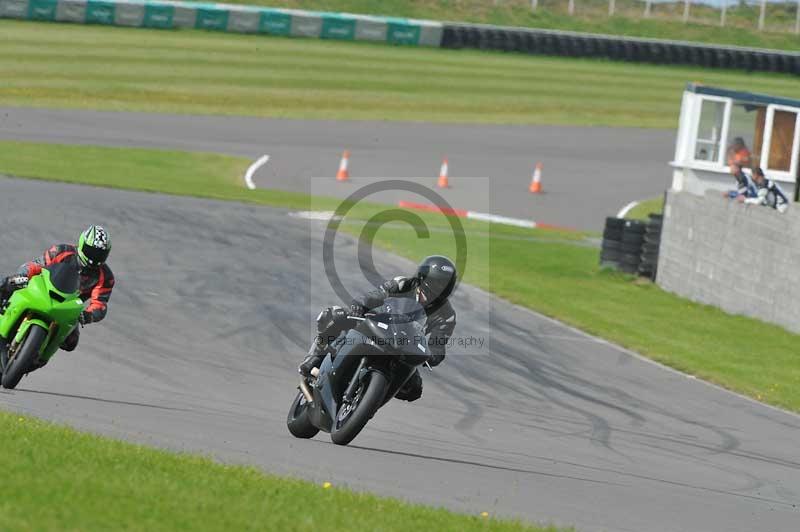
column 443, row 181
column 343, row 174
column 536, row 181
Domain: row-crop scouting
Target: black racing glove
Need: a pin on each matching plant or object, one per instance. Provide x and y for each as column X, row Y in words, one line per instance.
column 390, row 287
column 357, row 310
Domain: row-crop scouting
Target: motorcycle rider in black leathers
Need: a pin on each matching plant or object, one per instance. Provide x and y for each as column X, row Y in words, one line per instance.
column 431, row 286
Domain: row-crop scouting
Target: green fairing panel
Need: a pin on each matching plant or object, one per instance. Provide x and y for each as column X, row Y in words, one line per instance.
column 34, row 305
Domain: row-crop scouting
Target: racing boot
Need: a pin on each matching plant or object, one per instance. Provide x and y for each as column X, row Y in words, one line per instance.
column 5, row 291
column 412, row 389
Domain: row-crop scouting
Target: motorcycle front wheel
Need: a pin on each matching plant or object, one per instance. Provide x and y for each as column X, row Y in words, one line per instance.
column 24, row 358
column 353, row 417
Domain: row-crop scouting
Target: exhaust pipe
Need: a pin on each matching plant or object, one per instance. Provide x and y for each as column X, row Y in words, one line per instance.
column 306, row 390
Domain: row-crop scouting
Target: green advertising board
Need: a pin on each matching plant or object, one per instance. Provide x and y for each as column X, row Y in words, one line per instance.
column 338, row 27
column 99, row 12
column 42, row 9
column 402, row 32
column 275, row 22
column 158, row 15
column 211, row 18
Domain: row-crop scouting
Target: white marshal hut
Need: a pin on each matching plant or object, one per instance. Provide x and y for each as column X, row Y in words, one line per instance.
column 711, row 118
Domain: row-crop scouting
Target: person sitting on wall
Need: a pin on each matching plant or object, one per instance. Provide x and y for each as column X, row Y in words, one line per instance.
column 770, row 193
column 738, row 160
column 746, row 191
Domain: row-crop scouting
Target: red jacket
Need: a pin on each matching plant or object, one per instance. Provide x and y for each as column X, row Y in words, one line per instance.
column 96, row 283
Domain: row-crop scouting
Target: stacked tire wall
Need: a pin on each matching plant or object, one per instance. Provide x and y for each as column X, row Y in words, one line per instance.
column 631, row 246
column 656, row 51
column 611, row 250
column 651, row 244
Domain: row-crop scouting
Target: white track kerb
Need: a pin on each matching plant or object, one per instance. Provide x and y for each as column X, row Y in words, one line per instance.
column 505, row 220
column 626, row 209
column 482, row 216
column 248, row 176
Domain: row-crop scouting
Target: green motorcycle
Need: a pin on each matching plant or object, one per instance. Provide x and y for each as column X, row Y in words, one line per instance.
column 36, row 319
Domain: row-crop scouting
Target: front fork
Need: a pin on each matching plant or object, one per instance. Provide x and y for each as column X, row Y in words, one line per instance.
column 22, row 333
column 351, row 387
column 15, row 342
column 355, row 381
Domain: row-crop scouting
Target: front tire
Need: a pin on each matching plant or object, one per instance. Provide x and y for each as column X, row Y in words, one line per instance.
column 368, row 399
column 297, row 421
column 25, row 357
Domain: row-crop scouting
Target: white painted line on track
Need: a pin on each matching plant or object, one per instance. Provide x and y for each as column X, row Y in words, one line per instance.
column 482, row 216
column 324, row 216
column 626, row 209
column 500, row 219
column 248, row 176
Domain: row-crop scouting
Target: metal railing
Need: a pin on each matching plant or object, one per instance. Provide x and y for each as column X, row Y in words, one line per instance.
column 762, row 15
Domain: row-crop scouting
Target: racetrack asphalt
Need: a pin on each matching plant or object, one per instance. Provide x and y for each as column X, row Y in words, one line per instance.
column 589, row 173
column 212, row 312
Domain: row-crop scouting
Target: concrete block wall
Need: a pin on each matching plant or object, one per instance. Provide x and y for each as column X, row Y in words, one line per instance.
column 744, row 259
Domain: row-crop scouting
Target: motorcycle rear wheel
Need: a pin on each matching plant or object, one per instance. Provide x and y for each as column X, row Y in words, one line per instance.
column 25, row 357
column 368, row 399
column 297, row 421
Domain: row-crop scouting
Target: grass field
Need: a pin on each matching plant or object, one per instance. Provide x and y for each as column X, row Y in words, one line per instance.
column 590, row 15
column 545, row 273
column 93, row 67
column 58, row 479
column 643, row 209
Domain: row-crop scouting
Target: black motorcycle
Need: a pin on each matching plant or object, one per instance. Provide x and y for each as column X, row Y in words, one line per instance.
column 370, row 364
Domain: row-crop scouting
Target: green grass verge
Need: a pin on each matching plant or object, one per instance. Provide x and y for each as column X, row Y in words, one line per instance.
column 203, row 175
column 95, row 67
column 536, row 269
column 59, row 479
column 643, row 209
column 206, row 175
column 590, row 16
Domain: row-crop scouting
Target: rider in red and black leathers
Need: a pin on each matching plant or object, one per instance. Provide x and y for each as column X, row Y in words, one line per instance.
column 96, row 278
column 96, row 283
column 431, row 286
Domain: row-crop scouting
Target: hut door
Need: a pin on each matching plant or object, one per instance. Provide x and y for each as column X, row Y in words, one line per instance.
column 779, row 151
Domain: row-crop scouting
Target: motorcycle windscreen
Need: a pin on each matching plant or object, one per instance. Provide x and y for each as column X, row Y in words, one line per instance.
column 403, row 320
column 397, row 310
column 65, row 276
